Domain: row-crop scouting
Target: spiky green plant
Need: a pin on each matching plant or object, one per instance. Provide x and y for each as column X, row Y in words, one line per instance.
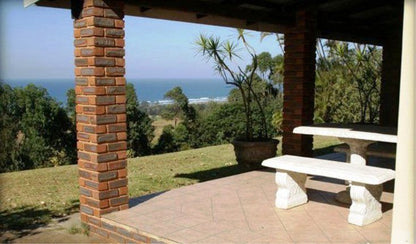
column 224, row 55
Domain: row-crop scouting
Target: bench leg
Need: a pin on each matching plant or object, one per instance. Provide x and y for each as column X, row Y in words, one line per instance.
column 365, row 208
column 291, row 190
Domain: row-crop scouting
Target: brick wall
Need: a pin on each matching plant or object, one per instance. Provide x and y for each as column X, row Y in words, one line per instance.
column 299, row 83
column 101, row 108
column 122, row 234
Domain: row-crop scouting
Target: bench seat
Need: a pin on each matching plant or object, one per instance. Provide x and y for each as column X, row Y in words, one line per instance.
column 366, row 186
column 332, row 169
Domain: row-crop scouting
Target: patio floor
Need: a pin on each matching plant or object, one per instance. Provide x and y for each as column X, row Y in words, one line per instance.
column 240, row 209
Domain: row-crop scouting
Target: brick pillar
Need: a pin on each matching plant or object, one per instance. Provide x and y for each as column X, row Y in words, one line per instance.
column 101, row 108
column 299, row 83
column 390, row 80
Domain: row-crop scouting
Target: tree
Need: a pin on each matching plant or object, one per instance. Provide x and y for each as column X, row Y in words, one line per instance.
column 277, row 70
column 180, row 106
column 8, row 129
column 70, row 104
column 72, row 133
column 223, row 54
column 45, row 128
column 348, row 82
column 270, row 68
column 186, row 133
column 166, row 142
column 35, row 130
column 363, row 63
column 140, row 131
column 223, row 124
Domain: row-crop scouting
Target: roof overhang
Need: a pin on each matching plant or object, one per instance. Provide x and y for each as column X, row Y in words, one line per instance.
column 27, row 3
column 366, row 21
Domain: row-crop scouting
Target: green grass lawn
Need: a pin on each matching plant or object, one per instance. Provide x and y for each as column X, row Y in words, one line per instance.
column 30, row 198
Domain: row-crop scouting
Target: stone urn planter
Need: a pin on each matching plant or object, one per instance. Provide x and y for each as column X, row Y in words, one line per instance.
column 251, row 154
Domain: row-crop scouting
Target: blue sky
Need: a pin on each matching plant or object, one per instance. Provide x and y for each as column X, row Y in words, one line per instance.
column 37, row 42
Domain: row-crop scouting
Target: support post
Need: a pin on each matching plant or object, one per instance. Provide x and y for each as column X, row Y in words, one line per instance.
column 101, row 108
column 299, row 83
column 390, row 80
column 404, row 205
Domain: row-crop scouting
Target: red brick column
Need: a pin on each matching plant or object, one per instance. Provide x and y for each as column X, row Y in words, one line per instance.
column 101, row 108
column 299, row 83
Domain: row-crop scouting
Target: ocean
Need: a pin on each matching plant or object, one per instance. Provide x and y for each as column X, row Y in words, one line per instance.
column 150, row 90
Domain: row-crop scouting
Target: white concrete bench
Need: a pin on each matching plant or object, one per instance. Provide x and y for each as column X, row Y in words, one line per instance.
column 378, row 149
column 366, row 187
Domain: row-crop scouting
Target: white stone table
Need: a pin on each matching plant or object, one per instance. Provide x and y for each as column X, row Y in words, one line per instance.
column 358, row 137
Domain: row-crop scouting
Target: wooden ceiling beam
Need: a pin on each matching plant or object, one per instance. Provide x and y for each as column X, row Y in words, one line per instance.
column 354, row 20
column 373, row 12
column 262, row 4
column 54, row 4
column 369, row 17
column 218, row 9
column 144, row 9
column 349, row 37
column 359, row 7
column 174, row 15
column 304, row 4
column 336, row 5
column 361, row 34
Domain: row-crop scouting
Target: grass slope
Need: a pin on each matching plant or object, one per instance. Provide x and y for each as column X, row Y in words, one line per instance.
column 29, row 199
column 163, row 172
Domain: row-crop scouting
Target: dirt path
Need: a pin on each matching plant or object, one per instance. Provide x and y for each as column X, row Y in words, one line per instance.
column 63, row 230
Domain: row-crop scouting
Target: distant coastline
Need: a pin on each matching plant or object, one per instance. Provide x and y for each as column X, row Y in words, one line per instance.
column 193, row 100
column 149, row 90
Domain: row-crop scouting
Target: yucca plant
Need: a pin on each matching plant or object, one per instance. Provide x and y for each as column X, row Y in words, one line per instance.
column 224, row 55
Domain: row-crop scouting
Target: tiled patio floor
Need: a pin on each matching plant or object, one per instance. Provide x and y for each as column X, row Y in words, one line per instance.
column 240, row 209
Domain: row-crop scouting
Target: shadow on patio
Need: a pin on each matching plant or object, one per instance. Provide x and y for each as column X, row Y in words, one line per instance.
column 240, row 209
column 216, row 173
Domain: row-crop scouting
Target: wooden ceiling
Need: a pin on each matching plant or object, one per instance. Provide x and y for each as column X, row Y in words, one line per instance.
column 368, row 21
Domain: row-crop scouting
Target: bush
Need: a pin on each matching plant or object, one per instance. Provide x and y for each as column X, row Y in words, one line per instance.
column 224, row 124
column 166, row 141
column 39, row 130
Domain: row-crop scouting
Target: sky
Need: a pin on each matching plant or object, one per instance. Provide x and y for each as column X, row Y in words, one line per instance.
column 37, row 42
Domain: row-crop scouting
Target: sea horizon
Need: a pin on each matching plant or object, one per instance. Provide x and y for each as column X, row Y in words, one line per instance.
column 152, row 90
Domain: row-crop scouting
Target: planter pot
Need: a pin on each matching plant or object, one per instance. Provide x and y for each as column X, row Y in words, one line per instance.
column 252, row 153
